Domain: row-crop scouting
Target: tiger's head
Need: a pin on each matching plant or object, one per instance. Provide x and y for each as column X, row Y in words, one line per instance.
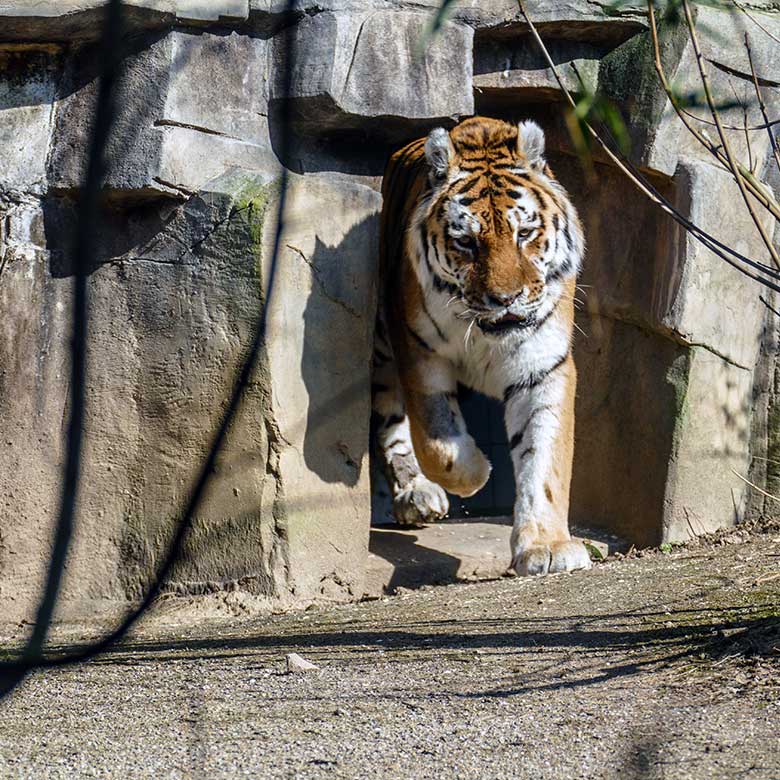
column 499, row 231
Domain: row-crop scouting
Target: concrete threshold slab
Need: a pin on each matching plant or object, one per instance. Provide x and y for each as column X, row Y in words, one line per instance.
column 453, row 550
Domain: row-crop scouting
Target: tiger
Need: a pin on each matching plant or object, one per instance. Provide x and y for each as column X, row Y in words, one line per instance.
column 480, row 249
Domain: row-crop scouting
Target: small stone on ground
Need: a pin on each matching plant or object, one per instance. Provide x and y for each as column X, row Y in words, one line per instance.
column 298, row 665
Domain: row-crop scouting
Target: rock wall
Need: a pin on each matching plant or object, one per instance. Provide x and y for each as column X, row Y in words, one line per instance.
column 672, row 337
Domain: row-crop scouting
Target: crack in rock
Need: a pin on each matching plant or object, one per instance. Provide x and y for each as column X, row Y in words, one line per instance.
column 321, row 284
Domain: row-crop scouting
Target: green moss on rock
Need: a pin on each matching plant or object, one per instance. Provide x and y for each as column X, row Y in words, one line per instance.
column 252, row 200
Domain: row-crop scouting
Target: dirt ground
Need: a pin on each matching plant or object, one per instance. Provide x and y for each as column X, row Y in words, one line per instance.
column 662, row 666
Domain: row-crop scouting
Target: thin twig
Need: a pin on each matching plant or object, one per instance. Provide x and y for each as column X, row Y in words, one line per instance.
column 768, row 577
column 705, row 82
column 756, row 22
column 768, row 305
column 704, row 120
column 754, row 486
column 756, row 190
column 743, row 105
column 761, row 105
column 646, row 188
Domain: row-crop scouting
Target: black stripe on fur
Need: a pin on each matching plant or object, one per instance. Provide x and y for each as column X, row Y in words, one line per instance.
column 439, row 332
column 419, row 339
column 393, row 419
column 518, row 437
column 534, row 380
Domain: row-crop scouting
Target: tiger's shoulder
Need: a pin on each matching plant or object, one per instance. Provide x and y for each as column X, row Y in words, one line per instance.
column 404, row 182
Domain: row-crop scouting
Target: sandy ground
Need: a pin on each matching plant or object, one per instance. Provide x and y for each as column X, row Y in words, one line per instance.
column 665, row 666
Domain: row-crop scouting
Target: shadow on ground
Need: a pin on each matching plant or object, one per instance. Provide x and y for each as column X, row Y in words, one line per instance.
column 727, row 634
column 409, row 563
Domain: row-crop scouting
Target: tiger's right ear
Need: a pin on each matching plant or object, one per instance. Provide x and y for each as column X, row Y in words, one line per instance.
column 439, row 152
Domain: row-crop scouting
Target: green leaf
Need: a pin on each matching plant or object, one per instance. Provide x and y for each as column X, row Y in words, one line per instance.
column 584, row 106
column 612, row 118
column 594, row 552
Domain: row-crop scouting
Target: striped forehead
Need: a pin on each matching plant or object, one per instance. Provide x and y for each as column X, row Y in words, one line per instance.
column 513, row 207
column 524, row 201
column 461, row 219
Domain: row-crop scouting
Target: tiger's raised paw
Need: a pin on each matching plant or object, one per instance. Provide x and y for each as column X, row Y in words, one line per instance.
column 548, row 559
column 422, row 501
column 467, row 469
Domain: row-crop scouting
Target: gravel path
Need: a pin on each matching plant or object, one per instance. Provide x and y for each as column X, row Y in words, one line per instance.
column 666, row 666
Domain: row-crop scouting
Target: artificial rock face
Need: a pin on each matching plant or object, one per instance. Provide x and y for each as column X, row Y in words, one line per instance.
column 673, row 394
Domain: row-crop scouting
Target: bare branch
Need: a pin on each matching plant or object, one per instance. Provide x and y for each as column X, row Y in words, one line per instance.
column 723, row 251
column 724, row 139
column 752, row 128
column 772, row 139
column 758, row 192
column 756, row 22
column 754, row 486
column 743, row 105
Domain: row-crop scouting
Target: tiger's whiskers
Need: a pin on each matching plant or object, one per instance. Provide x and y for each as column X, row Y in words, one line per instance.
column 578, row 302
column 468, row 333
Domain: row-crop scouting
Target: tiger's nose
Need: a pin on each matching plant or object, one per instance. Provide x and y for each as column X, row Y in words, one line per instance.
column 504, row 299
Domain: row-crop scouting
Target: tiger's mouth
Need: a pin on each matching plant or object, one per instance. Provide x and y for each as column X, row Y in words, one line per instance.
column 506, row 323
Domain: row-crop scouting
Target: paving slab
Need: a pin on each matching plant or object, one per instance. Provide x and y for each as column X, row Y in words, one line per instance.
column 453, row 550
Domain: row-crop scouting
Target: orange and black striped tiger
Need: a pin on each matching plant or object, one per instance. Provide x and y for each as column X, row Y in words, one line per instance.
column 480, row 252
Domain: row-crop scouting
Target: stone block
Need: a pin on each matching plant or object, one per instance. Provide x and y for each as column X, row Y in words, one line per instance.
column 320, row 347
column 513, row 69
column 29, row 80
column 76, row 20
column 659, row 138
column 452, row 551
column 172, row 316
column 660, row 426
column 573, row 20
column 212, row 10
column 350, row 69
column 184, row 118
column 219, row 86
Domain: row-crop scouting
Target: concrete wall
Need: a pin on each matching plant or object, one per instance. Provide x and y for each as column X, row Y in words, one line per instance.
column 672, row 336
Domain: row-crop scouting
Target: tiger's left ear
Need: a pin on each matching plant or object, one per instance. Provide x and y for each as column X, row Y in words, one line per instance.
column 530, row 143
column 439, row 152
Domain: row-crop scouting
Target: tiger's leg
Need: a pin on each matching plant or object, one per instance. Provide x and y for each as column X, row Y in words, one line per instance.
column 416, row 500
column 540, row 428
column 447, row 454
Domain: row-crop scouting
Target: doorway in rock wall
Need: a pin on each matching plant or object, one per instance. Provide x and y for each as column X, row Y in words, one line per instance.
column 472, row 542
column 485, row 422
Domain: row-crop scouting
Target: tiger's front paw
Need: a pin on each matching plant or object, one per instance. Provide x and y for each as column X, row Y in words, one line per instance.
column 420, row 502
column 541, row 558
column 463, row 468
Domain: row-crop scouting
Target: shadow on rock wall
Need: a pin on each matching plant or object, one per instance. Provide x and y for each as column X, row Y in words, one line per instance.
column 335, row 362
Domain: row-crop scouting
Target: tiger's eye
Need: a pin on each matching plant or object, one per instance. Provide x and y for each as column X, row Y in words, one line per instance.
column 465, row 243
column 524, row 232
